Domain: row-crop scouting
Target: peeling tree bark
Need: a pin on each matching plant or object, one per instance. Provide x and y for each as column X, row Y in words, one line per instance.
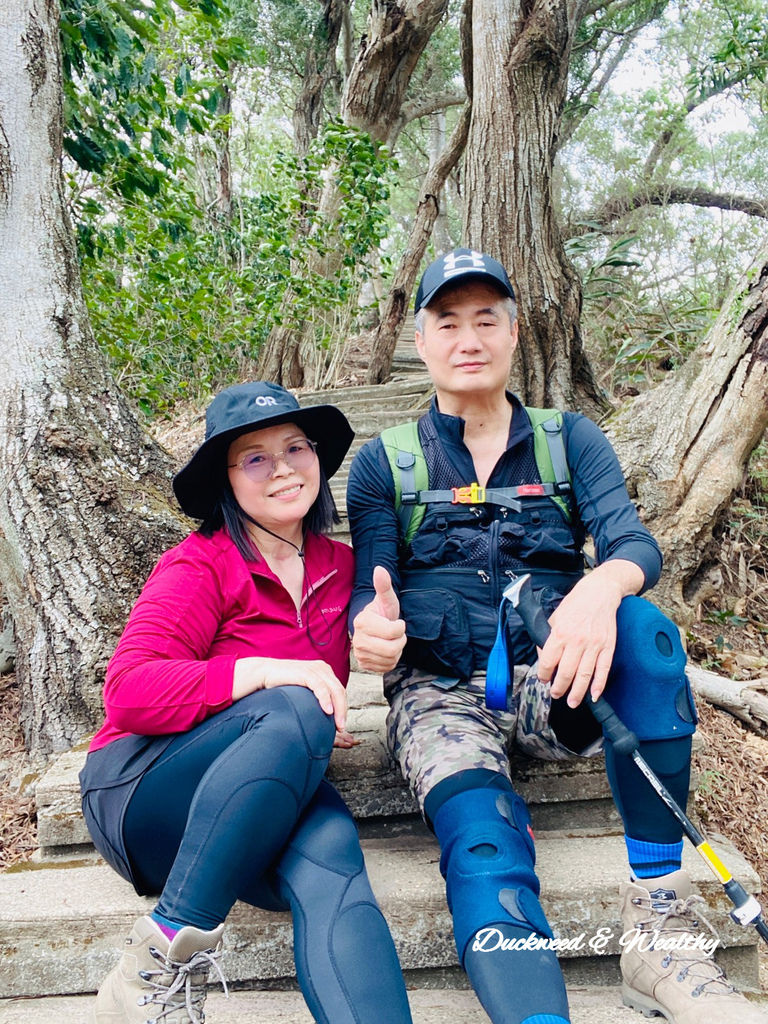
column 83, row 490
column 398, row 33
column 521, row 55
column 684, row 445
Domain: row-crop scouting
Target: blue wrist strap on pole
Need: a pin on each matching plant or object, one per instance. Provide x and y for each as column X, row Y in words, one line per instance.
column 497, row 679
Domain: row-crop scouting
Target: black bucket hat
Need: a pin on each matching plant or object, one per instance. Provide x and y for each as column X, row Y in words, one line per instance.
column 460, row 264
column 241, row 409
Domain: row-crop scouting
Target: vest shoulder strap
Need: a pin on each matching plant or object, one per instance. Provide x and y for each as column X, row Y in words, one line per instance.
column 409, row 472
column 549, row 452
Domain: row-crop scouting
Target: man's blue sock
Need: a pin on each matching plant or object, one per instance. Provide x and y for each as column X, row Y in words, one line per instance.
column 651, row 860
column 545, row 1018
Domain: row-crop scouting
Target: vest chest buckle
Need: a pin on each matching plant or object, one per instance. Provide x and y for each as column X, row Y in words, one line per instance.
column 472, row 495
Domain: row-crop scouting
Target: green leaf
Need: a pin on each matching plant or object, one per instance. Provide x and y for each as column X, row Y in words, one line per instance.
column 85, row 152
column 220, row 60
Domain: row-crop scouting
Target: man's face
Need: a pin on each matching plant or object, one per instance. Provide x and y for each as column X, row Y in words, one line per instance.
column 468, row 341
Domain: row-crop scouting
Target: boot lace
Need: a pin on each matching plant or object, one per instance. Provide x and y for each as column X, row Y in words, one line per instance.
column 181, row 985
column 684, row 916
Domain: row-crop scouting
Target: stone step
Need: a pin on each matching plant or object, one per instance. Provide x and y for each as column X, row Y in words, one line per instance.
column 369, row 422
column 406, row 391
column 61, row 927
column 589, row 1005
column 560, row 794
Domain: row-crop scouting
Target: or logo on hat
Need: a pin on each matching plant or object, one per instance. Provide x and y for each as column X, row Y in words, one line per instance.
column 474, row 259
column 264, row 400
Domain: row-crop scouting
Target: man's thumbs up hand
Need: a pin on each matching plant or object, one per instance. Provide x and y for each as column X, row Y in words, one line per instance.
column 385, row 603
column 379, row 636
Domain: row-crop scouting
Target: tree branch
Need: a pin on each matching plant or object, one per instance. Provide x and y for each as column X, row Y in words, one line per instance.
column 602, row 5
column 573, row 122
column 746, row 700
column 579, row 109
column 688, row 107
column 422, row 108
column 667, row 193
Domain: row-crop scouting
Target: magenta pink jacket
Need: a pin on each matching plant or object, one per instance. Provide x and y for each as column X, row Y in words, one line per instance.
column 201, row 609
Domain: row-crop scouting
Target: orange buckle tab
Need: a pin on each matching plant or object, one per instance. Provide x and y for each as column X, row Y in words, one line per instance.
column 526, row 490
column 474, row 494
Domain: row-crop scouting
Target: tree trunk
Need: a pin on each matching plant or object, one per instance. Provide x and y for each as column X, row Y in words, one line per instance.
column 223, row 161
column 521, row 55
column 398, row 32
column 684, row 445
column 83, row 491
column 393, row 314
column 279, row 356
column 440, row 232
column 319, row 69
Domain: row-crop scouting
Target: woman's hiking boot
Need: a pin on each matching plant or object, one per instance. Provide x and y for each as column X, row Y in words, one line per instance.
column 667, row 964
column 159, row 981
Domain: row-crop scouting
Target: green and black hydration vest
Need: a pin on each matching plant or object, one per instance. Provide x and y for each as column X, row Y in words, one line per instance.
column 461, row 543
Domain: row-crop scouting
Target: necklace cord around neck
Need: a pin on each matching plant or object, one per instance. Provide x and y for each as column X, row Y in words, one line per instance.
column 307, row 588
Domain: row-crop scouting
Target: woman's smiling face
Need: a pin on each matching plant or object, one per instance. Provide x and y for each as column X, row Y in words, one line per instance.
column 288, row 494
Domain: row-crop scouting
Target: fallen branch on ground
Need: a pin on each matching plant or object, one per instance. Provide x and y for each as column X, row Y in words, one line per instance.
column 745, row 699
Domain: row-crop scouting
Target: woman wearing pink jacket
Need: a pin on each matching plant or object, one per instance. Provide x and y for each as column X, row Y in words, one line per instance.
column 223, row 700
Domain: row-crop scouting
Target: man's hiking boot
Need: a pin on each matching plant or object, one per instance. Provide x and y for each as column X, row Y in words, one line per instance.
column 158, row 981
column 668, row 970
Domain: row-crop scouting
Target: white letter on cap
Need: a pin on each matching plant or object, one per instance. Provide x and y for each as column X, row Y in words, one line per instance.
column 475, row 263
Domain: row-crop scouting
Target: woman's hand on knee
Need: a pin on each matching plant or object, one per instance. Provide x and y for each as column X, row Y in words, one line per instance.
column 253, row 674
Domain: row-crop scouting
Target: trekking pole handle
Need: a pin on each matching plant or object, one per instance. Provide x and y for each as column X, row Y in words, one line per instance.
column 522, row 598
column 520, row 594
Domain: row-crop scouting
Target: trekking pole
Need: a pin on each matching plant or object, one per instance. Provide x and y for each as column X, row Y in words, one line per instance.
column 747, row 909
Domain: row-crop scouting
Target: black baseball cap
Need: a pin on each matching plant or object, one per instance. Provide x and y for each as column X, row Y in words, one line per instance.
column 459, row 264
column 241, row 409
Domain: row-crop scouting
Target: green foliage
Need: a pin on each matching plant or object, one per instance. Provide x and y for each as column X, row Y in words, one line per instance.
column 133, row 84
column 598, row 41
column 710, row 783
column 741, row 54
column 634, row 335
column 599, row 279
column 182, row 302
column 668, row 126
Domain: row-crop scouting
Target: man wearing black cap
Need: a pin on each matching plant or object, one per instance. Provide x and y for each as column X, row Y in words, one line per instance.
column 442, row 515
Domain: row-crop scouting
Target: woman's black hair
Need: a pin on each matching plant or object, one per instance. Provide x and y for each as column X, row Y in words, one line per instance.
column 319, row 519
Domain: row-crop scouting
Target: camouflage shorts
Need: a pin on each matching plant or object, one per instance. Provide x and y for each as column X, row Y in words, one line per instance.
column 437, row 728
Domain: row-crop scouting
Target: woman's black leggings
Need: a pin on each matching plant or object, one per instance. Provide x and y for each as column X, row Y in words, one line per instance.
column 237, row 808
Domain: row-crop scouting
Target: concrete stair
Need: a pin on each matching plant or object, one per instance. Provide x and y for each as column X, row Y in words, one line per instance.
column 63, row 917
column 589, row 1005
